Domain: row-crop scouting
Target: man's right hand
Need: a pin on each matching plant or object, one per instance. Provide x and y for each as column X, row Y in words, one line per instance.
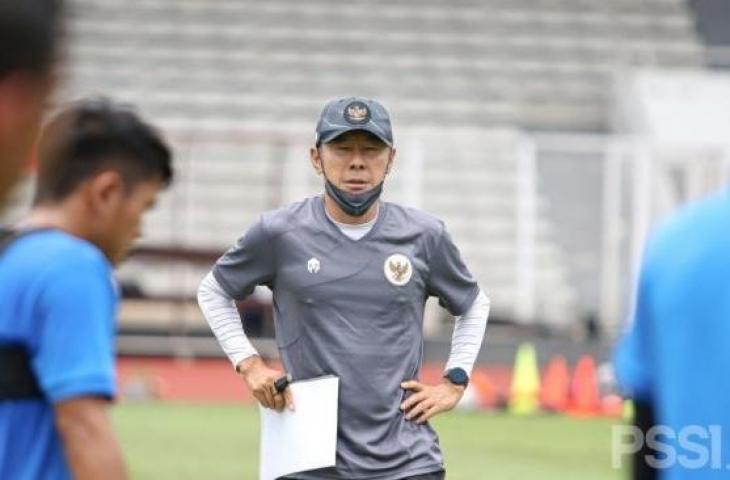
column 260, row 380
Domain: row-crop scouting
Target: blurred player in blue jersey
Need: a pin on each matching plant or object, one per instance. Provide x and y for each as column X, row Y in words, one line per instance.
column 29, row 34
column 675, row 358
column 100, row 169
column 350, row 276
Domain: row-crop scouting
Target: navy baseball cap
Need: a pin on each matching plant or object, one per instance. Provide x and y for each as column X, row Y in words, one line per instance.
column 353, row 113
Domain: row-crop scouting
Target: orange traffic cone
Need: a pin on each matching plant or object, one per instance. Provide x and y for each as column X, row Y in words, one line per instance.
column 586, row 400
column 555, row 385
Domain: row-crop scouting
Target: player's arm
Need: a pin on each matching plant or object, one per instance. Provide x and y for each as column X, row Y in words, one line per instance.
column 634, row 362
column 76, row 370
column 249, row 263
column 468, row 335
column 88, row 439
column 450, row 280
column 219, row 310
column 427, row 400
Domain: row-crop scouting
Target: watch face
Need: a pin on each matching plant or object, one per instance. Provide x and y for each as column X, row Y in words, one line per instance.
column 458, row 376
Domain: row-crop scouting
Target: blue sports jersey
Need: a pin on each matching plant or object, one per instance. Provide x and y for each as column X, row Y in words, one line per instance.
column 58, row 299
column 676, row 355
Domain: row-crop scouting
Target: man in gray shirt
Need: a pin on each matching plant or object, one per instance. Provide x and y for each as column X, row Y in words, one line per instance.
column 350, row 275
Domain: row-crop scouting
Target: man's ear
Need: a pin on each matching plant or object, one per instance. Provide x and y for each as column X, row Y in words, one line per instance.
column 105, row 190
column 391, row 159
column 316, row 159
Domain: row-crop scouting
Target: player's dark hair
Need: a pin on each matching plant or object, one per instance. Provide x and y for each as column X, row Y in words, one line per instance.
column 91, row 136
column 29, row 33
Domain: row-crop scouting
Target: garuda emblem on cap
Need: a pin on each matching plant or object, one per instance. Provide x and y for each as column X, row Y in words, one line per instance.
column 357, row 113
column 398, row 269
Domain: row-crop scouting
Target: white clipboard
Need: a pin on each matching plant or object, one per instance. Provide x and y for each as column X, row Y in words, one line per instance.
column 305, row 439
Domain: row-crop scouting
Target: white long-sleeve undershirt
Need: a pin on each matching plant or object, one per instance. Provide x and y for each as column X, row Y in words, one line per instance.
column 468, row 334
column 224, row 320
column 222, row 316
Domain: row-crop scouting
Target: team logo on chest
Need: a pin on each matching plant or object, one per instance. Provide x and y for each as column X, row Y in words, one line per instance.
column 398, row 269
column 313, row 265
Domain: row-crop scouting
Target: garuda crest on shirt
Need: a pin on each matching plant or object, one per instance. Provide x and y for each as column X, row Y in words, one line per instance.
column 398, row 269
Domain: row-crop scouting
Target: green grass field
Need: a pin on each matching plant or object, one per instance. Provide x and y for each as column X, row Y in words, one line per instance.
column 181, row 442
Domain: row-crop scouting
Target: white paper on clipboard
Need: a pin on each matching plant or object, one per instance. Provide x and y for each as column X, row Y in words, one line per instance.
column 305, row 439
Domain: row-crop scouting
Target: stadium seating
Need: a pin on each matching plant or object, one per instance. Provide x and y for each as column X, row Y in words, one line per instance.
column 534, row 64
column 238, row 84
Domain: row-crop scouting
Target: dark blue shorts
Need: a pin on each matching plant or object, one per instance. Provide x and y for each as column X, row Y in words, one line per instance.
column 426, row 476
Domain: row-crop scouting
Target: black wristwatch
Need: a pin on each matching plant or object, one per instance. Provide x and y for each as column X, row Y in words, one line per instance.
column 457, row 376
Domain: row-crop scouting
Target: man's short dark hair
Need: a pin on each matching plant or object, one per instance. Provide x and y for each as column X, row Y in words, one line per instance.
column 91, row 136
column 29, row 33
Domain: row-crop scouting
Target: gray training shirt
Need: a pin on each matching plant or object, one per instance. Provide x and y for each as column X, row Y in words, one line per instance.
column 354, row 309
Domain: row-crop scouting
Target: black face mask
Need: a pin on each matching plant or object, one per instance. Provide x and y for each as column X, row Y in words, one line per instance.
column 353, row 204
